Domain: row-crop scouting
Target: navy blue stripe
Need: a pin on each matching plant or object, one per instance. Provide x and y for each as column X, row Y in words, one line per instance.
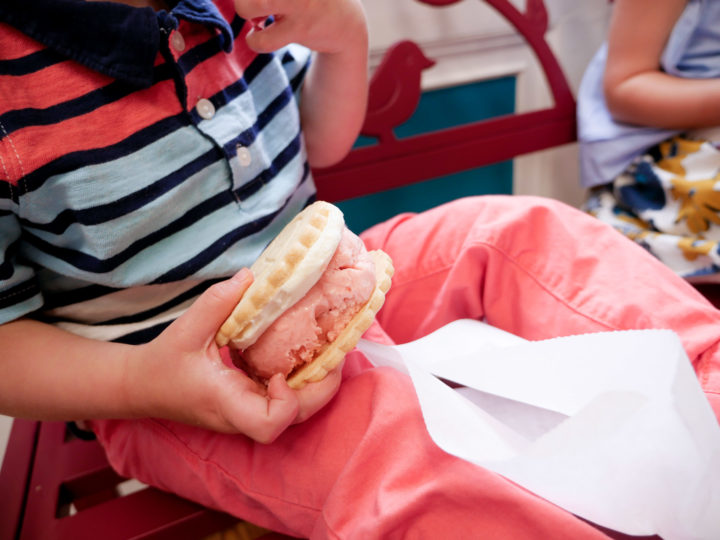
column 30, row 63
column 129, row 203
column 199, row 54
column 236, row 26
column 66, row 298
column 266, row 176
column 90, row 263
column 75, row 160
column 229, row 93
column 115, row 91
column 7, row 267
column 19, row 293
column 217, row 248
column 143, row 336
column 273, row 108
column 232, row 91
column 208, row 49
column 298, row 79
column 287, row 58
column 256, row 66
column 7, row 190
column 248, row 136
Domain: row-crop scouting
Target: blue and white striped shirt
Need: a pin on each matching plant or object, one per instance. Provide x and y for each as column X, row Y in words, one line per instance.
column 143, row 156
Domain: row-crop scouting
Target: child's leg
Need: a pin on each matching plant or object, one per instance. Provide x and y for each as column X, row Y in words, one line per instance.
column 365, row 467
column 539, row 269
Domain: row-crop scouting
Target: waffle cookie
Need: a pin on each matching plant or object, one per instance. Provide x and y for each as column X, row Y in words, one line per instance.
column 284, row 273
column 317, row 260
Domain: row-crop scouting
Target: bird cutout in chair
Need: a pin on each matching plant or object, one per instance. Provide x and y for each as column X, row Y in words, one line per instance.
column 394, row 91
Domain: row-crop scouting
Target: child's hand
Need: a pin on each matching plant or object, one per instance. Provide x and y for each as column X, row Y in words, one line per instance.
column 326, row 26
column 180, row 376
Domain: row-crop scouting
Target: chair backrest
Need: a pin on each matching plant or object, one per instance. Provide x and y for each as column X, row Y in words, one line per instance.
column 394, row 162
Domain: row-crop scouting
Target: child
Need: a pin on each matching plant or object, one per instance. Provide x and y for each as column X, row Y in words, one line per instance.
column 148, row 156
column 647, row 106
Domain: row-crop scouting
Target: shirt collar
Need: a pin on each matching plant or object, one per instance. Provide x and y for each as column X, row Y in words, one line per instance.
column 115, row 39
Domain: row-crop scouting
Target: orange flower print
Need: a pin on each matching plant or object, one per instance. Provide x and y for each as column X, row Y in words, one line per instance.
column 699, row 203
column 693, row 248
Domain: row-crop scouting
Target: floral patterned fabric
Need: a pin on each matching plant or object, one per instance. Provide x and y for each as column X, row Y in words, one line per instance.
column 668, row 201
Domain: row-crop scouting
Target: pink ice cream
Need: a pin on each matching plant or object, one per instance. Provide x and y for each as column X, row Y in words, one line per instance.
column 317, row 319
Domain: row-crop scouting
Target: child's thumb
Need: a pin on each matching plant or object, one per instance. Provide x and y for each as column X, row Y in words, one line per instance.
column 210, row 310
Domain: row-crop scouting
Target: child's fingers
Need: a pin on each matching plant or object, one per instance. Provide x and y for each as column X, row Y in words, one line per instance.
column 264, row 417
column 211, row 309
column 314, row 396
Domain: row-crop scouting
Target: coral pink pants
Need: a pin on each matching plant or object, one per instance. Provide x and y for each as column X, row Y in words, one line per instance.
column 365, row 467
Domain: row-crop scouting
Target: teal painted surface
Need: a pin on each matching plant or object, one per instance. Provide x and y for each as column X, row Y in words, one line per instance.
column 363, row 212
column 440, row 109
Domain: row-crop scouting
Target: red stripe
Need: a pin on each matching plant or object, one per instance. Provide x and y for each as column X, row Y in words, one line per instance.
column 55, row 84
column 217, row 72
column 107, row 125
column 29, row 148
column 15, row 44
column 10, row 166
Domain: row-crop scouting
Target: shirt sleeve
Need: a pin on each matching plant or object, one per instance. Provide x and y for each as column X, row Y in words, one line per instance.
column 19, row 291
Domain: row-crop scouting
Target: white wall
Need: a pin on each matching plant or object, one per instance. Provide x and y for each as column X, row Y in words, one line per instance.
column 471, row 42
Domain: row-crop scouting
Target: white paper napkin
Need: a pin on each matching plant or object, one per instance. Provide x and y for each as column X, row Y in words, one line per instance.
column 611, row 426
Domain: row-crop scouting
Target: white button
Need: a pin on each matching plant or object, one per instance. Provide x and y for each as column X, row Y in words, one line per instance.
column 205, row 108
column 244, row 155
column 177, row 41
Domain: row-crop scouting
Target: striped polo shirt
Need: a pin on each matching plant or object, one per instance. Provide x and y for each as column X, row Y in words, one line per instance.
column 143, row 156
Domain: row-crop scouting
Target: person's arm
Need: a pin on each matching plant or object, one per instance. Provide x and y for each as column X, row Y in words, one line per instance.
column 637, row 91
column 49, row 374
column 334, row 96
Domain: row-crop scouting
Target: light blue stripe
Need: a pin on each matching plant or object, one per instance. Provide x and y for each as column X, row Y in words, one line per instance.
column 21, row 309
column 269, row 143
column 245, row 108
column 107, row 182
column 175, row 250
column 301, row 55
column 273, row 193
column 111, row 238
column 247, row 250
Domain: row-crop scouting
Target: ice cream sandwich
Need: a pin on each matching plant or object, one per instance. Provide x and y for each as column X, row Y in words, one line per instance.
column 315, row 292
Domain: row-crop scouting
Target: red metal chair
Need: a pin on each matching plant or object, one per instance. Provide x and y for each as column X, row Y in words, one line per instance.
column 396, row 162
column 46, row 472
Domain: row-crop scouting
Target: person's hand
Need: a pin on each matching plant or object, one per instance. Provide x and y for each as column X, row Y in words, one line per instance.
column 326, row 26
column 181, row 376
